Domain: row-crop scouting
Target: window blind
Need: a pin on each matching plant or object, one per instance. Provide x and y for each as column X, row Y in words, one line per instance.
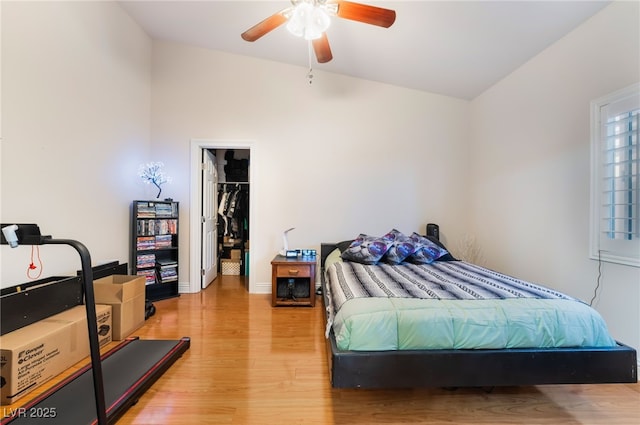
column 615, row 177
column 620, row 174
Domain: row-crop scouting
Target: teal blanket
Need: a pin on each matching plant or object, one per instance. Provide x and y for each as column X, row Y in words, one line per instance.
column 452, row 306
column 375, row 324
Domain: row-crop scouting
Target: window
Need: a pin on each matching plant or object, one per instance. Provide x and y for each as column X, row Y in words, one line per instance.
column 615, row 175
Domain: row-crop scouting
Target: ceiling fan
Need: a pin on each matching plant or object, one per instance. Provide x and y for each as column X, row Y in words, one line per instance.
column 311, row 18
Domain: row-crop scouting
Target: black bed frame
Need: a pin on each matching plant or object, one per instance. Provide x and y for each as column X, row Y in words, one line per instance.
column 475, row 368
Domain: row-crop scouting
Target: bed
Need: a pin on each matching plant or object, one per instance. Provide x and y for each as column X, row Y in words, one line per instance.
column 480, row 358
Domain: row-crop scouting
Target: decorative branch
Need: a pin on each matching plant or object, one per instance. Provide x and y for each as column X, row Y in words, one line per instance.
column 151, row 173
column 469, row 251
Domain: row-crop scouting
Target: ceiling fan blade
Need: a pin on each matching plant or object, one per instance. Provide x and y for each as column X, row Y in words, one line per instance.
column 265, row 26
column 368, row 14
column 322, row 49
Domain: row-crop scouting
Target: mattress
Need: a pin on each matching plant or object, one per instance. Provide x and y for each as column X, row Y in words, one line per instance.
column 451, row 305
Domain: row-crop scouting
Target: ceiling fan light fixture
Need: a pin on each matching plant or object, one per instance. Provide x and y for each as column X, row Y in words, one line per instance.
column 308, row 20
column 311, row 18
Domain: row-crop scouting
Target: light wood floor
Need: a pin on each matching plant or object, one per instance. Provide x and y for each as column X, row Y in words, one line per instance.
column 250, row 363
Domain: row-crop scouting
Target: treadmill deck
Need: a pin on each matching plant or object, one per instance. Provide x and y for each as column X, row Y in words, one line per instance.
column 129, row 369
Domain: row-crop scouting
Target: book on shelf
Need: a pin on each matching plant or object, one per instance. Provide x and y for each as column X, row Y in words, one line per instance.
column 145, row 243
column 170, row 226
column 143, row 227
column 149, row 276
column 156, row 209
column 167, row 270
column 163, row 241
column 168, row 277
column 145, row 210
column 167, row 209
column 152, row 227
column 145, row 261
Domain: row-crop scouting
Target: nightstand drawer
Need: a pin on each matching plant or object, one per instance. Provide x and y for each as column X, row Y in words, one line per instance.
column 293, row 270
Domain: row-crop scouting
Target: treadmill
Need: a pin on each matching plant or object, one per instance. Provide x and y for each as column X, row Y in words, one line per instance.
column 86, row 397
column 129, row 368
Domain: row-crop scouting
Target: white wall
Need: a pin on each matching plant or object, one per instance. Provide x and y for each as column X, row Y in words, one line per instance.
column 530, row 174
column 335, row 158
column 75, row 126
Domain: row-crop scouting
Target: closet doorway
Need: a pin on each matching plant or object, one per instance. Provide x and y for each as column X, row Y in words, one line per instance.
column 220, row 213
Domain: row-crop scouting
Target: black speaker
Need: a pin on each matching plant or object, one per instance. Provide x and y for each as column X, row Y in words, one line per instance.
column 293, row 288
column 433, row 230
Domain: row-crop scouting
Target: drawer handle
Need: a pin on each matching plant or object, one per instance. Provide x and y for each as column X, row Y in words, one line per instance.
column 293, row 272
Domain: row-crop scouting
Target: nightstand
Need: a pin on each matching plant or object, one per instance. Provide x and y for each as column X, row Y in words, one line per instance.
column 293, row 281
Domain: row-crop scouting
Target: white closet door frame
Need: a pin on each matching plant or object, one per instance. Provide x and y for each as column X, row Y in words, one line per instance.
column 195, row 208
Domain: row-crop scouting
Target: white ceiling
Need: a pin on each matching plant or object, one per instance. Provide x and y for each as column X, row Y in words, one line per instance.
column 455, row 48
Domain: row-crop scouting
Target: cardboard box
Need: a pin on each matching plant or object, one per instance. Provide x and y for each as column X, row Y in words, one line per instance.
column 235, row 254
column 126, row 295
column 32, row 355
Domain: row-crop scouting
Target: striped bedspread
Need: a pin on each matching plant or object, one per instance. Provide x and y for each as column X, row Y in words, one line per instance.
column 444, row 280
column 451, row 305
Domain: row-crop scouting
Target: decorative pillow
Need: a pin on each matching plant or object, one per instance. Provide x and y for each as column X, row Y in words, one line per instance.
column 366, row 249
column 401, row 247
column 427, row 251
column 445, row 257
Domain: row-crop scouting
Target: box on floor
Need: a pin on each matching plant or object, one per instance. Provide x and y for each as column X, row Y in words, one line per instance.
column 32, row 355
column 230, row 266
column 126, row 296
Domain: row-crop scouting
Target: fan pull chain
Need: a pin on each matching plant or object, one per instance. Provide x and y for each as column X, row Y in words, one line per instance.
column 310, row 73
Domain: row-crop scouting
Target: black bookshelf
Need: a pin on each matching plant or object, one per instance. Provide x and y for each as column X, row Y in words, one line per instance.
column 154, row 246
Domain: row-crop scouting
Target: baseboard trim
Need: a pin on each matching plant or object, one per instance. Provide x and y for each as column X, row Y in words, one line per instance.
column 184, row 288
column 262, row 288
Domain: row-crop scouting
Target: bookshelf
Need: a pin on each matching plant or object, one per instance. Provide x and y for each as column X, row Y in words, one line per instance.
column 154, row 246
